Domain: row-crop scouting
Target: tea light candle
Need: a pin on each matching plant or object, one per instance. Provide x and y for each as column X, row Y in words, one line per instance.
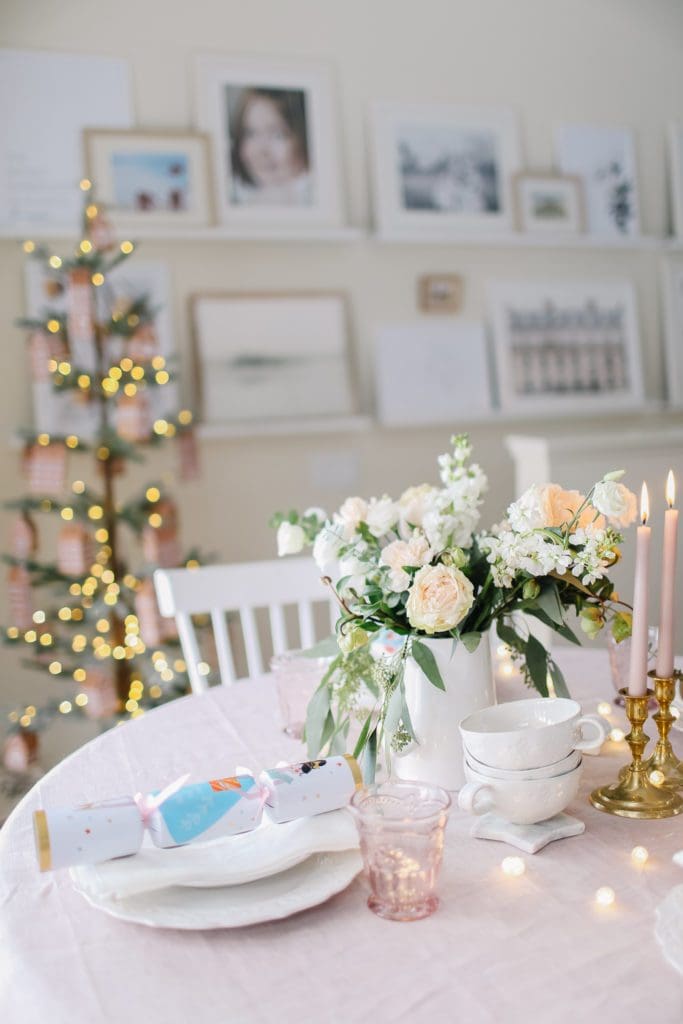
column 637, row 682
column 665, row 653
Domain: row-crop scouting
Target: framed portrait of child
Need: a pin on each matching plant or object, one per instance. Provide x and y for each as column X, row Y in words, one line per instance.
column 275, row 142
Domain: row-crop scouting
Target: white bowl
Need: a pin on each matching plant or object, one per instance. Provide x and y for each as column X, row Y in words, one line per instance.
column 548, row 771
column 533, row 733
column 519, row 801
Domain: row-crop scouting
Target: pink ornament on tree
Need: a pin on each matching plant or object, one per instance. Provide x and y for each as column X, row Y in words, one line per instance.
column 80, row 319
column 24, row 538
column 45, row 467
column 134, row 418
column 20, row 597
column 74, row 550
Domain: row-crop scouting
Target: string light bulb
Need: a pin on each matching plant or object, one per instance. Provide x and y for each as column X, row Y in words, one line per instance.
column 29, row 246
column 85, row 184
column 605, row 896
column 604, row 709
column 513, row 867
column 639, row 855
column 55, row 262
column 616, row 735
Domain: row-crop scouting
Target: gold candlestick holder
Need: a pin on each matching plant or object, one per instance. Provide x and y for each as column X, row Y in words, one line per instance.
column 663, row 758
column 634, row 795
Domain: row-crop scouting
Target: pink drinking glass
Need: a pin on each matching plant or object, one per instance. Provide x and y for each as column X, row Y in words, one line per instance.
column 297, row 677
column 401, row 827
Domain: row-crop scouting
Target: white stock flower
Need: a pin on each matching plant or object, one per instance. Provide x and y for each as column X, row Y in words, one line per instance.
column 290, row 539
column 439, row 598
column 382, row 514
column 400, row 553
column 317, row 512
column 616, row 502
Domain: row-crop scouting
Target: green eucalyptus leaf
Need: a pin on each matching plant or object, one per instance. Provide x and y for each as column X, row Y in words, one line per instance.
column 316, row 715
column 561, row 688
column 427, row 662
column 363, row 737
column 471, row 640
column 537, row 664
column 369, row 765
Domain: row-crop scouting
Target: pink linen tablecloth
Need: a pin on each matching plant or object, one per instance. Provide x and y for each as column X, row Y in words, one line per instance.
column 534, row 949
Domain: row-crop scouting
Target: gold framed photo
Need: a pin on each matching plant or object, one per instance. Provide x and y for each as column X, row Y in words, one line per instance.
column 547, row 203
column 439, row 293
column 146, row 178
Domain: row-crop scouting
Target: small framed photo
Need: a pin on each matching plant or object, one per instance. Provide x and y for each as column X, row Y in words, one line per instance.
column 272, row 357
column 439, row 293
column 549, row 203
column 432, row 372
column 673, row 328
column 443, row 169
column 273, row 126
column 605, row 160
column 566, row 347
column 146, row 178
column 676, row 177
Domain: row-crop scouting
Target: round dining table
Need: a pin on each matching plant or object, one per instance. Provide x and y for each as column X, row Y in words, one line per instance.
column 532, row 948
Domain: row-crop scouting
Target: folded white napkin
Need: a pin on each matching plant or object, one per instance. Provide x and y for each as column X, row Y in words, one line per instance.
column 231, row 860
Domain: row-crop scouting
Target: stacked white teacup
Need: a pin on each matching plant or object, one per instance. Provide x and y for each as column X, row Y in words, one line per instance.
column 523, row 758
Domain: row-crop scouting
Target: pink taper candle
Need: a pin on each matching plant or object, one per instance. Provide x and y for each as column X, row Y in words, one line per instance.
column 667, row 604
column 637, row 680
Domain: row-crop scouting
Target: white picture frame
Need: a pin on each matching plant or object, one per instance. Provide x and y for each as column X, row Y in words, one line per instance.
column 51, row 97
column 549, row 204
column 275, row 150
column 676, row 177
column 151, row 178
column 443, row 170
column 566, row 347
column 605, row 160
column 272, row 357
column 673, row 331
column 65, row 413
column 430, row 373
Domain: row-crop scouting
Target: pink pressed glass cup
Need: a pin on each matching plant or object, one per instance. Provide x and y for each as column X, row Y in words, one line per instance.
column 296, row 679
column 401, row 827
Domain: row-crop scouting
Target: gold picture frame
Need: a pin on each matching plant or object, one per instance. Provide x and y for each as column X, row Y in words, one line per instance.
column 151, row 178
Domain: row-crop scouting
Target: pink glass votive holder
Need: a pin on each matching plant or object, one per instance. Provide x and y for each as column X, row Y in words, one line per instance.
column 401, row 827
column 296, row 679
column 619, row 655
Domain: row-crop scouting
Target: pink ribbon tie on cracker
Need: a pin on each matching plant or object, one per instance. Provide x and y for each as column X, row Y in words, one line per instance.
column 148, row 804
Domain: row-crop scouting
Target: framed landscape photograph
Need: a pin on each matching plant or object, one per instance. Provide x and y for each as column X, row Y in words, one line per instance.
column 605, row 161
column 273, row 126
column 549, row 203
column 443, row 169
column 146, row 178
column 571, row 347
column 673, row 331
column 272, row 356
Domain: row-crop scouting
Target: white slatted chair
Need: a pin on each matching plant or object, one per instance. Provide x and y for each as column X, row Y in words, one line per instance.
column 242, row 587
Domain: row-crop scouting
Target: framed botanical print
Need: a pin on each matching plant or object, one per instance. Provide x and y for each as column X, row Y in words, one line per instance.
column 566, row 347
column 272, row 357
column 274, row 140
column 151, row 178
column 605, row 160
column 443, row 169
column 549, row 203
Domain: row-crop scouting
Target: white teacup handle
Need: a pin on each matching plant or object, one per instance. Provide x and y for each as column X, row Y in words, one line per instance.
column 596, row 723
column 476, row 798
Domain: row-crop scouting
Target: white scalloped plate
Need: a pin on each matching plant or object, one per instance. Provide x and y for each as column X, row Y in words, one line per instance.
column 234, row 906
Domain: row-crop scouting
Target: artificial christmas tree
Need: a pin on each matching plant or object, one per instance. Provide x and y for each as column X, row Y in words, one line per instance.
column 87, row 616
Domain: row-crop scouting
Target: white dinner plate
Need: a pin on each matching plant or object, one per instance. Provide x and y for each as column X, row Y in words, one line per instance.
column 233, row 906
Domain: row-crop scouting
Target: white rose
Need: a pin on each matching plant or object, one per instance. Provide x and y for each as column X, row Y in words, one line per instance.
column 290, row 539
column 616, row 502
column 401, row 553
column 439, row 598
column 352, row 512
column 326, row 550
column 382, row 514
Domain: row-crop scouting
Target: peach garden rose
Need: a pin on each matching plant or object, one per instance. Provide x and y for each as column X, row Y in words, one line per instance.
column 439, row 598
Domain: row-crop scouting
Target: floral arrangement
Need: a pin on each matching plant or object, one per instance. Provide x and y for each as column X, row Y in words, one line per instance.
column 419, row 567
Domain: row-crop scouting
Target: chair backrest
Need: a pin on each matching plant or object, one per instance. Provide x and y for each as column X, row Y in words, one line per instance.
column 242, row 587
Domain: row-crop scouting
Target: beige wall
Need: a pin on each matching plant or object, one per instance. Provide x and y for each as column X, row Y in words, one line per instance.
column 611, row 61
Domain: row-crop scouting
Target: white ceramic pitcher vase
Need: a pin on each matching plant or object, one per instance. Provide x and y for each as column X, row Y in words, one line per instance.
column 436, row 756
